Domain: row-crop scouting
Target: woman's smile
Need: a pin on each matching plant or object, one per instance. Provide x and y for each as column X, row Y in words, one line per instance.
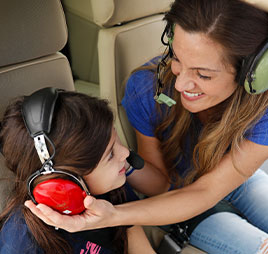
column 192, row 96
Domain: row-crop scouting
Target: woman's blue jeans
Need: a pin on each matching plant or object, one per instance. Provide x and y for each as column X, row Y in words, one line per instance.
column 228, row 233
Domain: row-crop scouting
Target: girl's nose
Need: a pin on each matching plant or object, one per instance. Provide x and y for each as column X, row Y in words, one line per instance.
column 124, row 152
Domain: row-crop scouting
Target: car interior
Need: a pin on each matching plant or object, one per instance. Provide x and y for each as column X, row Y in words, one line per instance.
column 107, row 41
column 33, row 33
column 90, row 46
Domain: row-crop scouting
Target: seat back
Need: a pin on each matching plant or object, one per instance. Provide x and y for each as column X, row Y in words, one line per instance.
column 126, row 33
column 262, row 4
column 32, row 34
column 85, row 18
column 122, row 49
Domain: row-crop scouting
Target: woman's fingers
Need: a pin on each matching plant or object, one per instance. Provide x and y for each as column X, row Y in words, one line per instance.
column 98, row 214
column 38, row 212
column 53, row 218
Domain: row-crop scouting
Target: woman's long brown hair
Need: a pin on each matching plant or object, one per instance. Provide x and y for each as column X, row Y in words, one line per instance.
column 81, row 130
column 240, row 29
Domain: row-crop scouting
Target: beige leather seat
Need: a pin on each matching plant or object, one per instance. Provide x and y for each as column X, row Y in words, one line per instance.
column 262, row 4
column 107, row 40
column 32, row 34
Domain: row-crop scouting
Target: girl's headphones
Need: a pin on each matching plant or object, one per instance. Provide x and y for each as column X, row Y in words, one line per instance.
column 253, row 74
column 65, row 196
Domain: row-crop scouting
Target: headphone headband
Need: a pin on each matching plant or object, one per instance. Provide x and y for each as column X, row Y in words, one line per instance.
column 37, row 113
column 38, row 109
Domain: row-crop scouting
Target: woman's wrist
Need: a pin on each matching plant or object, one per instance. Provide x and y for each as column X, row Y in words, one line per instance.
column 122, row 215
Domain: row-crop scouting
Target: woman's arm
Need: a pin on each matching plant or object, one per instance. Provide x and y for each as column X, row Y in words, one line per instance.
column 170, row 207
column 201, row 195
column 138, row 242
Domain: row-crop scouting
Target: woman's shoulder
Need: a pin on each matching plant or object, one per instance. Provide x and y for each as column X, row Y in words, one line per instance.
column 143, row 78
column 138, row 100
column 258, row 133
column 15, row 236
column 140, row 84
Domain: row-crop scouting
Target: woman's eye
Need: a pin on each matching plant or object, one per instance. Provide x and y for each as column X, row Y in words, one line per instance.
column 203, row 77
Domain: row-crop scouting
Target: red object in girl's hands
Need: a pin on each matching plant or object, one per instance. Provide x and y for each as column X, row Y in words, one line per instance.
column 62, row 195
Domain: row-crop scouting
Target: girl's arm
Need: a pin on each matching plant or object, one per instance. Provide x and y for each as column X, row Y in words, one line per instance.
column 170, row 207
column 138, row 242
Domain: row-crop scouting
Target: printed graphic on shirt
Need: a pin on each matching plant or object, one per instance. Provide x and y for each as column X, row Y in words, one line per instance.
column 91, row 248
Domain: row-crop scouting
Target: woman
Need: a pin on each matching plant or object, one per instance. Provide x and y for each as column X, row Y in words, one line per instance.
column 211, row 143
column 86, row 145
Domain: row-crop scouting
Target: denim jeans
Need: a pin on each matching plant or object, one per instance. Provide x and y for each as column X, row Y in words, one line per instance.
column 228, row 233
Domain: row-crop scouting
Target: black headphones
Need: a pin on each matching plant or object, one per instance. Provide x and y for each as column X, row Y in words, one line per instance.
column 159, row 96
column 63, row 195
column 253, row 74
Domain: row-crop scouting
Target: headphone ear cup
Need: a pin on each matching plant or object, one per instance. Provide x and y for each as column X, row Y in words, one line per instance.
column 63, row 195
column 259, row 76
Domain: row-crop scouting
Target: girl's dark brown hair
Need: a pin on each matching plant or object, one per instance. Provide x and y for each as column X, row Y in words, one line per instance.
column 240, row 29
column 81, row 130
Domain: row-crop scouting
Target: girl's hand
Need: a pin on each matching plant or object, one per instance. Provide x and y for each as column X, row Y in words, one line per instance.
column 98, row 214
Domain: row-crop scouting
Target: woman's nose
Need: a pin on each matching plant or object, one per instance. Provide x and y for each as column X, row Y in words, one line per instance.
column 183, row 83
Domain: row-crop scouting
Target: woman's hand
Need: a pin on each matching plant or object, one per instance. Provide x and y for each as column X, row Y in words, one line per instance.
column 98, row 214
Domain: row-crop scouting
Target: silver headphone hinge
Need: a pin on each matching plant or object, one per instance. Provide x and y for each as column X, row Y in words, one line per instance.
column 41, row 148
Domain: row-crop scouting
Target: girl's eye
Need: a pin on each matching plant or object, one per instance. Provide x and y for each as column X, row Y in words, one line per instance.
column 111, row 155
column 203, row 77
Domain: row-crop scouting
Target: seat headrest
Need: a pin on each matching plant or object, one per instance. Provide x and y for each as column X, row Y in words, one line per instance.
column 37, row 25
column 106, row 13
column 262, row 4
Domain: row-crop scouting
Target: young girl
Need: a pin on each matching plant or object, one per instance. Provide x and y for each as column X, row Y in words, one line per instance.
column 86, row 145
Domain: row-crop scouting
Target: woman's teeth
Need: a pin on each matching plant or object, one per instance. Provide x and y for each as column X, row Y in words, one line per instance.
column 192, row 94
